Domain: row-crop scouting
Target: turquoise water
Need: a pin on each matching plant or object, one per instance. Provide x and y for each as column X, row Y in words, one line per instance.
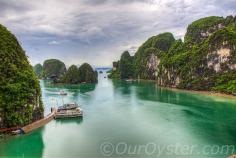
column 136, row 119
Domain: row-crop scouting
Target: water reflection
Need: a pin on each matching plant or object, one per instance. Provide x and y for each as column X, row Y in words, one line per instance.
column 120, row 111
column 198, row 113
column 122, row 87
column 29, row 145
column 83, row 88
column 70, row 121
column 51, row 97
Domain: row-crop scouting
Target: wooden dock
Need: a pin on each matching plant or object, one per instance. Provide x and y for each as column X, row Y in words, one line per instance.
column 39, row 123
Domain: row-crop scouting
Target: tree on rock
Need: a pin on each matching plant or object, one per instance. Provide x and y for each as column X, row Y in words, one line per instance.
column 72, row 75
column 87, row 74
column 38, row 69
column 20, row 94
column 54, row 68
column 126, row 66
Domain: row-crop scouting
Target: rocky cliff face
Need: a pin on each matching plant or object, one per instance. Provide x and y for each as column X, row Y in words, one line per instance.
column 206, row 60
column 38, row 69
column 221, row 53
column 20, row 95
column 53, row 68
column 201, row 29
column 147, row 58
column 152, row 66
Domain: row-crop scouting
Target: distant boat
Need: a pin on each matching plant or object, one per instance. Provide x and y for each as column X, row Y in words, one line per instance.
column 129, row 80
column 62, row 93
column 69, row 111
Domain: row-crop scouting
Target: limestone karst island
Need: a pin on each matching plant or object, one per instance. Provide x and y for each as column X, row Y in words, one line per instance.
column 140, row 78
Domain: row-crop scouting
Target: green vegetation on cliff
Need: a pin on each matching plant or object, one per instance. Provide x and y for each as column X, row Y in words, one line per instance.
column 206, row 60
column 208, row 63
column 126, row 66
column 72, row 75
column 115, row 72
column 53, row 68
column 56, row 70
column 199, row 29
column 38, row 69
column 20, row 95
column 156, row 44
column 87, row 74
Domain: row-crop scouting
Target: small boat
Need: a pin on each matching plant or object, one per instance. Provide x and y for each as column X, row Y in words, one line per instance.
column 129, row 80
column 69, row 111
column 68, row 106
column 19, row 131
column 62, row 93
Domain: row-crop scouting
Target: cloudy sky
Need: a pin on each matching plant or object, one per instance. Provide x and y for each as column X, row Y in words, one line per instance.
column 98, row 31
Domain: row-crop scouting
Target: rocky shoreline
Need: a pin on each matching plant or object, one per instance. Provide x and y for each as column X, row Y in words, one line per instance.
column 210, row 93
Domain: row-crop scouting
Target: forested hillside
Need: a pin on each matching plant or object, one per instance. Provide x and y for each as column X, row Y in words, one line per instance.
column 205, row 60
column 20, row 95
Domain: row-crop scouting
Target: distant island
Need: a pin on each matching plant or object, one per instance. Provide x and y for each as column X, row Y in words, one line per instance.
column 206, row 60
column 83, row 74
column 55, row 70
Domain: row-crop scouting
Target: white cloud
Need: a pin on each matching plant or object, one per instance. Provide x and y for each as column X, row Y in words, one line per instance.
column 53, row 43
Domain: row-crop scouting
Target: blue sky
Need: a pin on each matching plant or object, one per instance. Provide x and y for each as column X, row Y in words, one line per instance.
column 98, row 31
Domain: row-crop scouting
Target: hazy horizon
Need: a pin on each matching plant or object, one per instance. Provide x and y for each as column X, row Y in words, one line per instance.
column 98, row 31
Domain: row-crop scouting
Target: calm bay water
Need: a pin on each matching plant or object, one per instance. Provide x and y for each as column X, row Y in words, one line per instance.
column 124, row 119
